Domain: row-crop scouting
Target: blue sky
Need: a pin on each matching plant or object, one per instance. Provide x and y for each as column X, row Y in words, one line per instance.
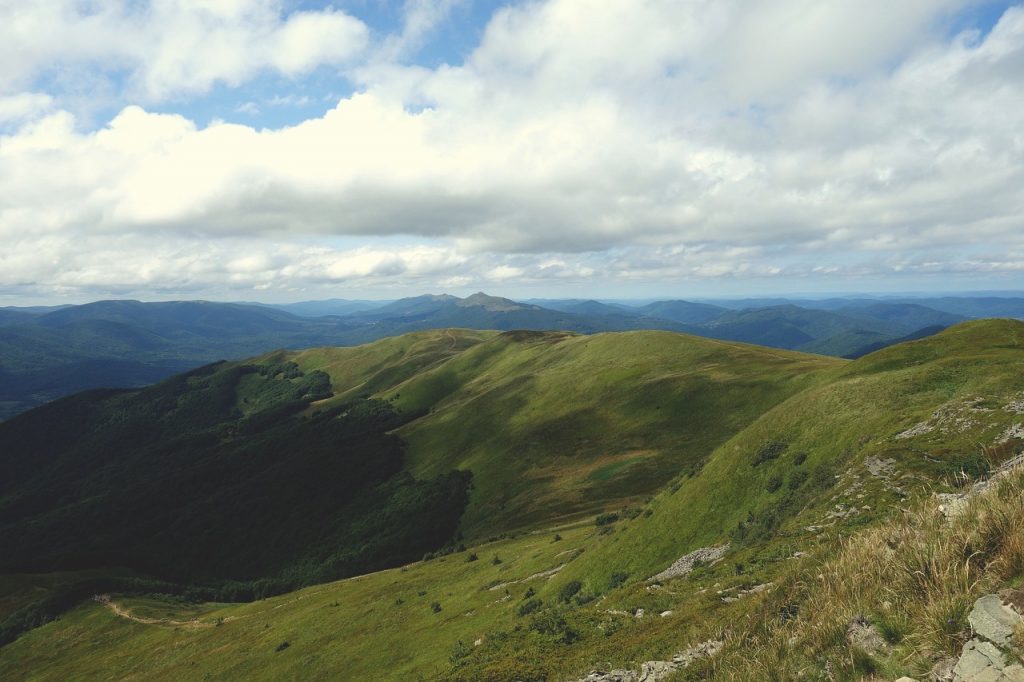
column 283, row 150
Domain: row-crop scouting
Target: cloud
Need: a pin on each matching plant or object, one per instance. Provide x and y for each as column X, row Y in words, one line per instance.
column 651, row 141
column 23, row 106
column 166, row 48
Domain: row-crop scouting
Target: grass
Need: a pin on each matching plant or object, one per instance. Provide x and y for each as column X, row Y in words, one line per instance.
column 893, row 560
column 535, row 415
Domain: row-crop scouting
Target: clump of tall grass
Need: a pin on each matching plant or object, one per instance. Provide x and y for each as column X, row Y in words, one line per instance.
column 914, row 577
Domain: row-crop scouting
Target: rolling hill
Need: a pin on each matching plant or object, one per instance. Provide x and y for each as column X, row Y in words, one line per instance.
column 48, row 353
column 822, row 500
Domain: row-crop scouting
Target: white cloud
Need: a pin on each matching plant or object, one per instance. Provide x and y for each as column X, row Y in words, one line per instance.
column 23, row 106
column 170, row 47
column 654, row 140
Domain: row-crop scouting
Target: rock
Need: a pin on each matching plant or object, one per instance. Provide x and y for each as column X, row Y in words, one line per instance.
column 865, row 636
column 982, row 661
column 639, row 613
column 906, row 679
column 685, row 564
column 994, row 621
column 951, row 504
column 665, row 614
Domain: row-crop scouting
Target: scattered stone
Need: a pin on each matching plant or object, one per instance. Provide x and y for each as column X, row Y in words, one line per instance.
column 865, row 636
column 994, row 621
column 916, row 430
column 685, row 564
column 665, row 614
column 639, row 613
column 1015, row 406
column 542, row 574
column 744, row 593
column 1014, row 432
column 478, row 642
column 982, row 661
column 880, row 468
column 656, row 671
column 906, row 679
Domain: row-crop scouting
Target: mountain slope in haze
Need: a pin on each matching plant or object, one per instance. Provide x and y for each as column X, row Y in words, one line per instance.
column 686, row 312
column 839, row 333
column 802, row 493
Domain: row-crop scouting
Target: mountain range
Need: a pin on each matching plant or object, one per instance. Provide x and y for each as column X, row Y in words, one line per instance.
column 46, row 353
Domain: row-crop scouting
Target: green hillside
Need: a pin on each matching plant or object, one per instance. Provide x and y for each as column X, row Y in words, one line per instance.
column 556, row 424
column 804, row 489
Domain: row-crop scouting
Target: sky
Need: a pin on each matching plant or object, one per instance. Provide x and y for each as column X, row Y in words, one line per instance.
column 280, row 150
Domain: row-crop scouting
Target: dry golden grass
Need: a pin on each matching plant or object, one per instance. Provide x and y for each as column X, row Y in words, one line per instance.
column 914, row 578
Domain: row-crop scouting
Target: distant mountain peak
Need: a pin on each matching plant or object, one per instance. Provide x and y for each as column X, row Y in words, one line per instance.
column 494, row 303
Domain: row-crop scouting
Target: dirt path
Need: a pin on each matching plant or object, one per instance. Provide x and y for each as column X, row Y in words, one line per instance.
column 122, row 612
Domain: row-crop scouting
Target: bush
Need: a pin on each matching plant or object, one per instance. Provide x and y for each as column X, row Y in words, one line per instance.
column 529, row 593
column 495, row 560
column 472, row 557
column 796, row 479
column 768, row 451
column 282, row 646
column 617, row 579
column 529, row 607
column 606, row 519
column 435, row 607
column 554, row 624
column 569, row 590
column 800, row 458
column 774, row 483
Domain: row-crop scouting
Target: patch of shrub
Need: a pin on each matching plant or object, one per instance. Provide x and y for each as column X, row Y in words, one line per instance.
column 800, row 458
column 617, row 579
column 606, row 519
column 472, row 557
column 529, row 607
column 774, row 483
column 283, row 645
column 768, row 451
column 569, row 590
column 553, row 624
column 529, row 593
column 796, row 479
column 459, row 652
column 435, row 607
column 496, row 560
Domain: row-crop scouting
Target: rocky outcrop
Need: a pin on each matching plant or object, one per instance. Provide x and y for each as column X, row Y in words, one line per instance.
column 656, row 671
column 983, row 661
column 684, row 564
column 992, row 655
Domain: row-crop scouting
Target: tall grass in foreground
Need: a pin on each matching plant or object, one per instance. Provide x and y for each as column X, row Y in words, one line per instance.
column 914, row 578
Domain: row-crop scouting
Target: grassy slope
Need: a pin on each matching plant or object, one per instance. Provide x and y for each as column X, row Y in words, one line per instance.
column 841, row 422
column 554, row 424
column 838, row 423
